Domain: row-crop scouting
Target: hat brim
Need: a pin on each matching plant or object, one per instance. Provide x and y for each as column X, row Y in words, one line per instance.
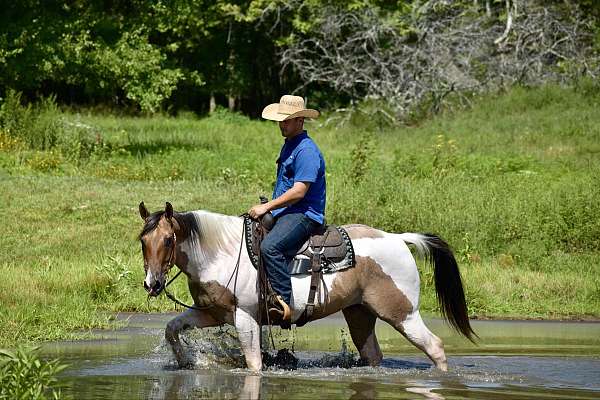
column 270, row 113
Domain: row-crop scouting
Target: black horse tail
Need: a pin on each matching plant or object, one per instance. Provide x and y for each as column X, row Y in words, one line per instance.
column 448, row 283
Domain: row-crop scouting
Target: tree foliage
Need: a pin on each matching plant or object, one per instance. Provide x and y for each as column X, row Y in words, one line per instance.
column 151, row 55
column 441, row 49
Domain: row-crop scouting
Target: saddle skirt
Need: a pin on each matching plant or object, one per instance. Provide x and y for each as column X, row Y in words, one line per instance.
column 331, row 241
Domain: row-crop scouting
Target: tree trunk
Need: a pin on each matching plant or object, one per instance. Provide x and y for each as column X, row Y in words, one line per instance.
column 212, row 106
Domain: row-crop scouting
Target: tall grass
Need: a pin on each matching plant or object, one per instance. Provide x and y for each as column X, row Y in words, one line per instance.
column 24, row 376
column 42, row 129
column 512, row 184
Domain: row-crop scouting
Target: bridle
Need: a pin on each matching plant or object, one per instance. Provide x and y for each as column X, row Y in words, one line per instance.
column 171, row 261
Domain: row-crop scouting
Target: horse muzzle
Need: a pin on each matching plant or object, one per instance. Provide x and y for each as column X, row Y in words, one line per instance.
column 153, row 286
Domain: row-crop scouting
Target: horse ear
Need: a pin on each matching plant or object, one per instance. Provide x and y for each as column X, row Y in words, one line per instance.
column 143, row 211
column 168, row 210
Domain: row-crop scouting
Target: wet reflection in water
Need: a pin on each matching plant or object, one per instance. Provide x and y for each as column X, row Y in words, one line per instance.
column 515, row 360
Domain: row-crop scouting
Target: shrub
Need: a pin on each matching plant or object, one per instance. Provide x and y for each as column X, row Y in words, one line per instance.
column 38, row 126
column 24, row 376
column 14, row 117
column 44, row 161
column 42, row 127
column 8, row 142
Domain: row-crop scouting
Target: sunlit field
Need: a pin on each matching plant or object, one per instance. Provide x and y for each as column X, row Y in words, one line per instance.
column 512, row 184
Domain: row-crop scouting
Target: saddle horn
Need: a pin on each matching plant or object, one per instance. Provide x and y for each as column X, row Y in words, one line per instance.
column 267, row 220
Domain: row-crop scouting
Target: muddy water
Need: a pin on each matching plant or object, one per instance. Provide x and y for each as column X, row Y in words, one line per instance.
column 514, row 360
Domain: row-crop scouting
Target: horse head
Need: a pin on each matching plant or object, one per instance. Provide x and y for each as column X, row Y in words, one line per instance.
column 158, row 246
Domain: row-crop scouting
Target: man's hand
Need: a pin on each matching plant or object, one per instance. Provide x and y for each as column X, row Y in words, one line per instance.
column 258, row 211
column 291, row 196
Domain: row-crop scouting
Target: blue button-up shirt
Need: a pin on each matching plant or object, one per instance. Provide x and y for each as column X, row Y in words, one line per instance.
column 300, row 160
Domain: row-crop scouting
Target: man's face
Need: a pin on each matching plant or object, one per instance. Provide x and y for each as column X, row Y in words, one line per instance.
column 291, row 127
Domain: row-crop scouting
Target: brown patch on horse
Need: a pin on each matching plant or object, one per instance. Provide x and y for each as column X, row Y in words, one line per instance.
column 361, row 323
column 162, row 228
column 212, row 293
column 154, row 251
column 366, row 283
column 358, row 231
column 382, row 296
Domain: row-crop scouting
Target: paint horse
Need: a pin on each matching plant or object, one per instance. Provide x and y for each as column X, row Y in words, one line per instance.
column 383, row 284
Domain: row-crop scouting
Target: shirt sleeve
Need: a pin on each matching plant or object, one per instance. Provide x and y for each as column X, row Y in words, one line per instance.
column 306, row 165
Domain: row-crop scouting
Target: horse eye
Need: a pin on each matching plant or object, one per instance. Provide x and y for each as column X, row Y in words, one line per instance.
column 168, row 241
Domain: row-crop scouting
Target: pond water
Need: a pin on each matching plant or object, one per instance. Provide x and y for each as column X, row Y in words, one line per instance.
column 513, row 360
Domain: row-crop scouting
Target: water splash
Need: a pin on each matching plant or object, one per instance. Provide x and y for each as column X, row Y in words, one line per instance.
column 207, row 348
column 220, row 348
column 286, row 359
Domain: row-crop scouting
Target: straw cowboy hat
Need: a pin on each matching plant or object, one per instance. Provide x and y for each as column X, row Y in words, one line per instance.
column 288, row 107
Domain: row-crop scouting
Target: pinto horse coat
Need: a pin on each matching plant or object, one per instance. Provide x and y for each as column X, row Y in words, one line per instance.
column 384, row 284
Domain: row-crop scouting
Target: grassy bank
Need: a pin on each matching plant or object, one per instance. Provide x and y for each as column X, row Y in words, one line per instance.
column 511, row 184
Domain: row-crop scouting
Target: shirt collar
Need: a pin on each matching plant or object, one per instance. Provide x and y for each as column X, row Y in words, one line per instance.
column 296, row 139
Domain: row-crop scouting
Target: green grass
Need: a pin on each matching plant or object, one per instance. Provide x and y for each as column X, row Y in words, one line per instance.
column 24, row 376
column 512, row 184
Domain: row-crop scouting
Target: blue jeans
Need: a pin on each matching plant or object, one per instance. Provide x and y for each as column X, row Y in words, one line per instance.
column 279, row 247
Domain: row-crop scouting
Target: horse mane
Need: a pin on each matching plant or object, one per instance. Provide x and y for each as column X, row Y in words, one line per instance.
column 213, row 232
column 151, row 223
column 216, row 232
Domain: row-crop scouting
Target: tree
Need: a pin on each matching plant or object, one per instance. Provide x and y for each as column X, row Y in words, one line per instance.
column 441, row 48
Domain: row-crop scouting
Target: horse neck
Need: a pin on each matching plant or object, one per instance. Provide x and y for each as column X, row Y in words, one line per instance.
column 208, row 238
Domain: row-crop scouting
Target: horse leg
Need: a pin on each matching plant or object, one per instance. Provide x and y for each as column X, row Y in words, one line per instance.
column 186, row 320
column 361, row 323
column 248, row 330
column 414, row 329
column 391, row 305
column 251, row 389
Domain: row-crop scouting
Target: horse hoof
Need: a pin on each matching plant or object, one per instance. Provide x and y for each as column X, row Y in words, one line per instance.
column 186, row 364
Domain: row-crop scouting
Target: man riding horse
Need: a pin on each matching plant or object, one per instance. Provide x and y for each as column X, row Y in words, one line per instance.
column 381, row 283
column 298, row 201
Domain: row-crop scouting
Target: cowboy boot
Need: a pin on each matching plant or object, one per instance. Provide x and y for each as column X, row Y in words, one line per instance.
column 279, row 311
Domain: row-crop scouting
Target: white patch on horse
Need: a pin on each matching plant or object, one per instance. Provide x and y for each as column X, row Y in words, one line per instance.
column 396, row 260
column 217, row 234
column 149, row 279
column 212, row 249
column 301, row 289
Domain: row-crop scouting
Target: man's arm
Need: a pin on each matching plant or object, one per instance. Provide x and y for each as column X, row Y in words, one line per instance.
column 289, row 197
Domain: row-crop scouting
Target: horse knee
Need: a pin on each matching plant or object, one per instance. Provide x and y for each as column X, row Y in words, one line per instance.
column 361, row 323
column 370, row 350
column 248, row 331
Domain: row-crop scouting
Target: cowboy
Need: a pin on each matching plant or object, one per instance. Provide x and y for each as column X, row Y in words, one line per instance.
column 298, row 201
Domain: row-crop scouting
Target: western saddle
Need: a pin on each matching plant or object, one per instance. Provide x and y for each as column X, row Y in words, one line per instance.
column 327, row 250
